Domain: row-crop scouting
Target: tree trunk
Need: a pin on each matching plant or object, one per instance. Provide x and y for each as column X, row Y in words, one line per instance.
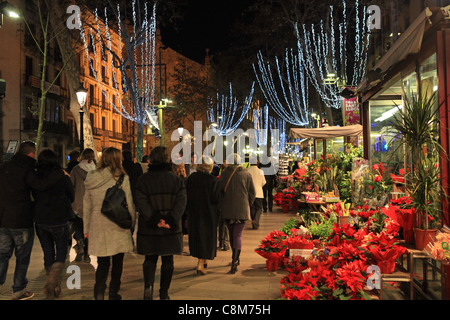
column 140, row 141
column 43, row 94
column 72, row 72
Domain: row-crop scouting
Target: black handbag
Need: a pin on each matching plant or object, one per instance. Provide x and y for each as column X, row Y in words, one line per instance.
column 115, row 206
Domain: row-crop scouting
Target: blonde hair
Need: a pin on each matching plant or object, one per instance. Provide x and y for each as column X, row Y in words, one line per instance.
column 206, row 166
column 112, row 159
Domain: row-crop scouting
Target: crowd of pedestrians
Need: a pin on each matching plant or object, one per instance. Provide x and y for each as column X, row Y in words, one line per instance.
column 208, row 202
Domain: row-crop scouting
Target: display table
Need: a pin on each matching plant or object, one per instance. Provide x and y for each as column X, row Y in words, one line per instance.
column 408, row 270
column 315, row 205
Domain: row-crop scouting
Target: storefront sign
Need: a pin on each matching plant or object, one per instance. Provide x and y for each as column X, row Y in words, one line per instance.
column 351, row 111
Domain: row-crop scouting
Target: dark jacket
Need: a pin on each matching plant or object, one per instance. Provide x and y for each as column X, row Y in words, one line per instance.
column 134, row 171
column 17, row 179
column 160, row 194
column 54, row 205
column 239, row 196
column 203, row 195
column 71, row 165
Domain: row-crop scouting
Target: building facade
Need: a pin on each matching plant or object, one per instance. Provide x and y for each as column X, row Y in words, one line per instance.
column 419, row 58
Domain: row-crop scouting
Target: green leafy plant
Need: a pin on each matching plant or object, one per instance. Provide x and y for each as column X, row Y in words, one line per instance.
column 418, row 125
column 323, row 228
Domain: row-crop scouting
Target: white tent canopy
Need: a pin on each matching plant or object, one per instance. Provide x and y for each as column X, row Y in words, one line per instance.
column 327, row 132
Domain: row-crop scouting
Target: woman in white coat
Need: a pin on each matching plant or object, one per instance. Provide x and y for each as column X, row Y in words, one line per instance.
column 107, row 241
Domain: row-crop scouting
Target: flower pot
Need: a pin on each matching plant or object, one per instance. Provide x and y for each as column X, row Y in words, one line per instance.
column 423, row 237
column 342, row 220
column 313, row 263
column 386, row 266
column 272, row 264
column 408, row 235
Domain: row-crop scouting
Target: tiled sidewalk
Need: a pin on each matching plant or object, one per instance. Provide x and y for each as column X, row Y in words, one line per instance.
column 251, row 282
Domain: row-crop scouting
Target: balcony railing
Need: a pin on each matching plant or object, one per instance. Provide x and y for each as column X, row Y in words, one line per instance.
column 31, row 124
column 35, row 82
column 110, row 134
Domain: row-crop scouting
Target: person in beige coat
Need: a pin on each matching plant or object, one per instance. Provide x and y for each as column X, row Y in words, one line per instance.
column 107, row 241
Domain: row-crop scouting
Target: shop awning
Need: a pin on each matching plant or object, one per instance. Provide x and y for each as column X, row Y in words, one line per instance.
column 327, row 132
column 409, row 42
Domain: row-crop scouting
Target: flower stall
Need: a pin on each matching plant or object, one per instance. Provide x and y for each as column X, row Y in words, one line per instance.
column 327, row 260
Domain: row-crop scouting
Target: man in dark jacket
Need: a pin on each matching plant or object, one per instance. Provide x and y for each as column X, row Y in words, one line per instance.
column 18, row 178
column 161, row 202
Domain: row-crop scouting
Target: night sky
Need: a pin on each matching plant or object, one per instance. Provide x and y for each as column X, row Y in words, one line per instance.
column 205, row 24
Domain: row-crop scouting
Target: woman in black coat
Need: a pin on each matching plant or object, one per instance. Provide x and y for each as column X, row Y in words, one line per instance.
column 52, row 212
column 202, row 213
column 160, row 201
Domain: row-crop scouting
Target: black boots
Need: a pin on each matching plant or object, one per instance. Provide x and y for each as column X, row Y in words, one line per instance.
column 235, row 260
column 148, row 293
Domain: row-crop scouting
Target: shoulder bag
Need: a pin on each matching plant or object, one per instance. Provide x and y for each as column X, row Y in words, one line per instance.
column 115, row 206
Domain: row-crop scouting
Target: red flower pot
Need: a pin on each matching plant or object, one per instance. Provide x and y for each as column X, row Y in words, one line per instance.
column 386, row 266
column 272, row 264
column 313, row 263
column 423, row 237
column 342, row 220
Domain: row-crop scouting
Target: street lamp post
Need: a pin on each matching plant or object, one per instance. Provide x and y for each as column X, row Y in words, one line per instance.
column 81, row 96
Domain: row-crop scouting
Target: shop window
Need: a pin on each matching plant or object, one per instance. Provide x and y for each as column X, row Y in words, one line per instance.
column 429, row 78
column 335, row 145
column 410, row 85
column 385, row 145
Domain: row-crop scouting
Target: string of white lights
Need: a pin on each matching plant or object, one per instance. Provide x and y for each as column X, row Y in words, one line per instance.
column 138, row 87
column 324, row 52
column 228, row 113
column 289, row 97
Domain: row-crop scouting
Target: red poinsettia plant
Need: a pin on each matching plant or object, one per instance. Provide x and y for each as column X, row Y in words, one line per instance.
column 346, row 233
column 298, row 240
column 384, row 250
column 272, row 246
column 321, row 283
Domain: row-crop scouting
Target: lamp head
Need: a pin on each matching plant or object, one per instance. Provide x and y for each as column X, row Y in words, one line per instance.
column 180, row 129
column 81, row 95
column 8, row 9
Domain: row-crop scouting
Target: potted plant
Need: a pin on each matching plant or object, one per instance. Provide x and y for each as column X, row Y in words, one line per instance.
column 272, row 248
column 418, row 124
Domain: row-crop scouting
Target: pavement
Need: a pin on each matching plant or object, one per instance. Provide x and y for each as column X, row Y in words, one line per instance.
column 251, row 282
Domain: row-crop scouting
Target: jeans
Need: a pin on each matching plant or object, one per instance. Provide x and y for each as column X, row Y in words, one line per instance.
column 53, row 239
column 21, row 241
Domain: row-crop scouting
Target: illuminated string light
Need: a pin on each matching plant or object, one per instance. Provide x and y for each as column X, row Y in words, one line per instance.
column 293, row 104
column 138, row 87
column 323, row 52
column 227, row 112
column 261, row 124
column 278, row 146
